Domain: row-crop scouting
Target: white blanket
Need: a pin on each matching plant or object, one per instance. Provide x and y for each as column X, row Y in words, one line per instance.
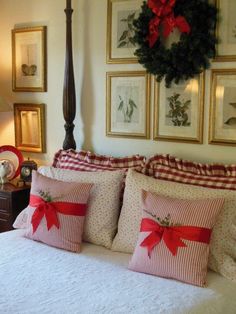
column 36, row 278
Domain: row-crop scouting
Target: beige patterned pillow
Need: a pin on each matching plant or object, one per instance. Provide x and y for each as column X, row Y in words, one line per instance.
column 222, row 256
column 104, row 202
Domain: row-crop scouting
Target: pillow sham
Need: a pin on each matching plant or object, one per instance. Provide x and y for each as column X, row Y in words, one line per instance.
column 87, row 161
column 172, row 242
column 217, row 176
column 104, row 201
column 56, row 211
column 222, row 257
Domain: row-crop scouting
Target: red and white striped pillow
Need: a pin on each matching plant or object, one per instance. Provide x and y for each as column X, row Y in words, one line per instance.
column 87, row 161
column 174, row 242
column 56, row 212
column 104, row 201
column 216, row 176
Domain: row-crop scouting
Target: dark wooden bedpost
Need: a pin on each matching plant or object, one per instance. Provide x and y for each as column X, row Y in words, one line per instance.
column 69, row 101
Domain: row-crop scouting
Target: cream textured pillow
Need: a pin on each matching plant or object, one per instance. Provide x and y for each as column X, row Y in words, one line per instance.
column 222, row 256
column 104, row 202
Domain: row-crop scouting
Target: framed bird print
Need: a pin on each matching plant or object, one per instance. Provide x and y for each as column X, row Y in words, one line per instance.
column 29, row 59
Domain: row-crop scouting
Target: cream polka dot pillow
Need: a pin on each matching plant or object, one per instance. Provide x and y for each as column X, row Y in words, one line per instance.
column 104, row 202
column 222, row 256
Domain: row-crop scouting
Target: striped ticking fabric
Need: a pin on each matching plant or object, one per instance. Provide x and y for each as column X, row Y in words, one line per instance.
column 69, row 234
column 190, row 263
column 217, row 176
column 87, row 161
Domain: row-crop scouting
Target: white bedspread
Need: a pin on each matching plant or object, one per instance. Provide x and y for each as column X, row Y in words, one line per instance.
column 35, row 278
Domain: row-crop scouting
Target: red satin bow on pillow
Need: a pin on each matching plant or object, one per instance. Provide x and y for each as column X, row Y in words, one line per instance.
column 171, row 235
column 164, row 18
column 50, row 210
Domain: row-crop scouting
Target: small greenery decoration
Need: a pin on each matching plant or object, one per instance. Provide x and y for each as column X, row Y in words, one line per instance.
column 45, row 196
column 166, row 222
column 185, row 58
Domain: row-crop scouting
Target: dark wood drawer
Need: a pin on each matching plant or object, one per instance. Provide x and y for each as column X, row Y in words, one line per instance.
column 4, row 214
column 5, row 203
column 13, row 200
column 5, row 225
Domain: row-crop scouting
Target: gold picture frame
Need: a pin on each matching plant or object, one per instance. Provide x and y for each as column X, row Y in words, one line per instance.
column 30, row 127
column 226, row 31
column 222, row 120
column 29, row 62
column 128, row 104
column 178, row 111
column 120, row 45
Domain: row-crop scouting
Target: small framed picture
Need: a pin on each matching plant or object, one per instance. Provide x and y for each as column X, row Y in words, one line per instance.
column 222, row 124
column 178, row 111
column 120, row 30
column 30, row 127
column 128, row 104
column 29, row 59
column 226, row 31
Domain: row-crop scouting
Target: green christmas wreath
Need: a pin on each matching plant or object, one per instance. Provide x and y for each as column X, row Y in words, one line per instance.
column 195, row 19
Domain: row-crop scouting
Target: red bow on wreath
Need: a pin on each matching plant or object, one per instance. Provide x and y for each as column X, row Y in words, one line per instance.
column 50, row 210
column 164, row 18
column 171, row 235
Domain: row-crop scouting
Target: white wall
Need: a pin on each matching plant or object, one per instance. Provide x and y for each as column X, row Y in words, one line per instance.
column 89, row 43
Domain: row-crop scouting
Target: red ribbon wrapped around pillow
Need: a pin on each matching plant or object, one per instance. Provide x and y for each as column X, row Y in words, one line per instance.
column 171, row 235
column 50, row 210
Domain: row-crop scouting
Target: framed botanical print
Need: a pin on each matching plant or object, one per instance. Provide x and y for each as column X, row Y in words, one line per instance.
column 128, row 104
column 222, row 124
column 120, row 30
column 178, row 111
column 29, row 59
column 226, row 31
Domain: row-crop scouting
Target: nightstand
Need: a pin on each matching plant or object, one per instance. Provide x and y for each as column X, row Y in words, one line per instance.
column 13, row 200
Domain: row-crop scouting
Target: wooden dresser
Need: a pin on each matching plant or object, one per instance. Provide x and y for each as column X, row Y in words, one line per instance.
column 13, row 200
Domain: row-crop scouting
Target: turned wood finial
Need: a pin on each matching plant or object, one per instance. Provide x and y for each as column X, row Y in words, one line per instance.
column 69, row 101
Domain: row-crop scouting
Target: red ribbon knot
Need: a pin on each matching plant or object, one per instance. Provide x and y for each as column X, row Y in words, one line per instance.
column 165, row 20
column 171, row 235
column 50, row 210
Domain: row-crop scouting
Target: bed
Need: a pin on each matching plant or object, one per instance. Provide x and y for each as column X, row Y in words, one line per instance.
column 37, row 278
